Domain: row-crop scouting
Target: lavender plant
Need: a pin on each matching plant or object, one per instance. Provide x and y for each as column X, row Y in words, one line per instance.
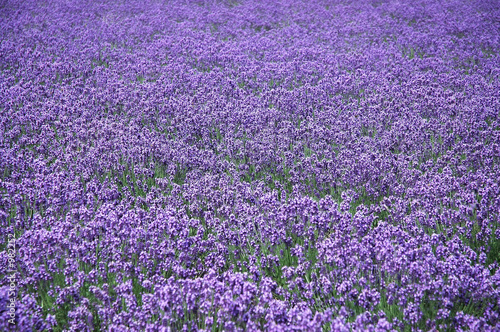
column 249, row 165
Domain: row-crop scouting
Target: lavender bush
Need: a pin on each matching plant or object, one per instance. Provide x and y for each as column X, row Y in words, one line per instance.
column 249, row 165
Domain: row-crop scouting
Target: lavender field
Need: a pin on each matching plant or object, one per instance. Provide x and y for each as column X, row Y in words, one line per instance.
column 233, row 165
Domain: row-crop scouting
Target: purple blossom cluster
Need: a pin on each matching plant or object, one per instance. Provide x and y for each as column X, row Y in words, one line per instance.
column 235, row 165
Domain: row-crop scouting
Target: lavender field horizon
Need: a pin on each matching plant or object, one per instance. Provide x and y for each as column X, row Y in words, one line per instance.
column 233, row 165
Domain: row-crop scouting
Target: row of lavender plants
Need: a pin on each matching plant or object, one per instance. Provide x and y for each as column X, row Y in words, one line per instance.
column 231, row 165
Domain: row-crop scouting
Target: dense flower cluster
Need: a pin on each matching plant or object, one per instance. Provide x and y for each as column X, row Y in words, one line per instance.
column 250, row 165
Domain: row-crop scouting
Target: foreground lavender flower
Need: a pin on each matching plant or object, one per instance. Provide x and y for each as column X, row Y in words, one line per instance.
column 248, row 165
